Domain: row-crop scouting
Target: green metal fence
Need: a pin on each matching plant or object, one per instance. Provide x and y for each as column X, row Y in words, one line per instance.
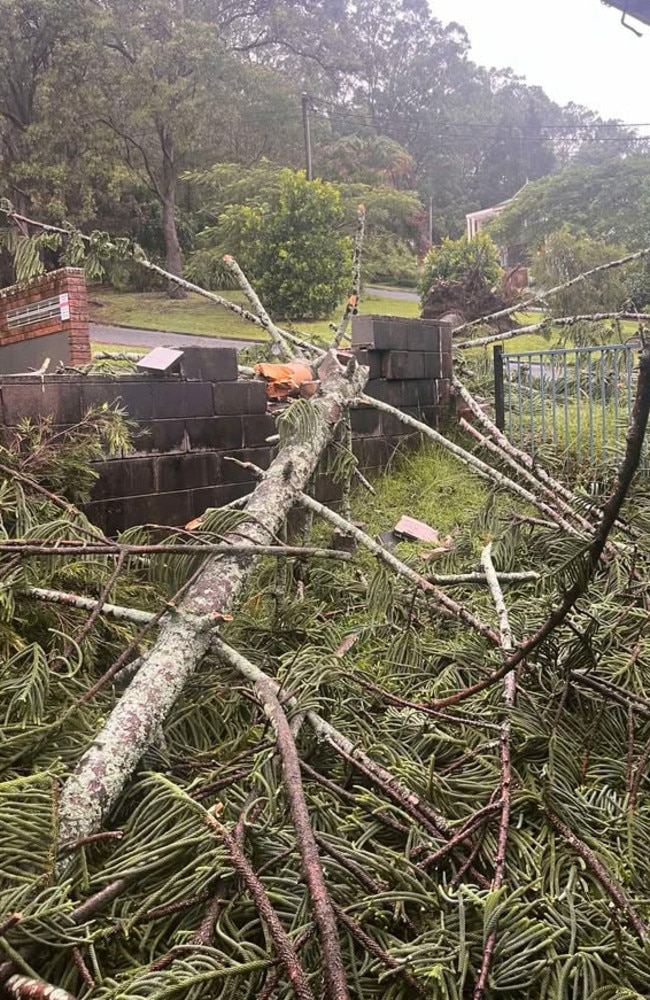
column 574, row 403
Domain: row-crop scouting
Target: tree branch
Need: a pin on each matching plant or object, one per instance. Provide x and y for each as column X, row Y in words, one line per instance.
column 335, row 983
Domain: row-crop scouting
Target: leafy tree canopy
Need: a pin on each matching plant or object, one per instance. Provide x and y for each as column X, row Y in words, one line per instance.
column 609, row 201
column 563, row 256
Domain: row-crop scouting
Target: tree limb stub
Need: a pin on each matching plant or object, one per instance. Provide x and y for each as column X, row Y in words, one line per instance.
column 185, row 634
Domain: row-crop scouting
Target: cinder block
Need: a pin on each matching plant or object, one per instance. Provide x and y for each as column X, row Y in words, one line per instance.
column 371, row 360
column 218, row 496
column 391, row 425
column 428, row 335
column 443, row 392
column 181, row 399
column 432, row 365
column 37, row 399
column 174, row 509
column 365, row 420
column 326, row 490
column 257, row 428
column 108, row 515
column 209, row 364
column 240, row 397
column 403, row 365
column 215, row 433
column 431, row 416
column 159, row 435
column 379, row 389
column 187, row 471
column 384, row 333
column 134, row 397
column 403, row 392
column 124, row 477
column 426, row 392
column 376, row 452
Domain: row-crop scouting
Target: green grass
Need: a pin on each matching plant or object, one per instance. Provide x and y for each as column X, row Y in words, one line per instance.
column 429, row 484
column 154, row 311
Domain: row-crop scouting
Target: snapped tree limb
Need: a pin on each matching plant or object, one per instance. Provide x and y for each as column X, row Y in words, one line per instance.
column 186, row 633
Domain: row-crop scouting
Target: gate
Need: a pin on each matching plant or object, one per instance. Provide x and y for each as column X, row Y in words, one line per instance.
column 574, row 402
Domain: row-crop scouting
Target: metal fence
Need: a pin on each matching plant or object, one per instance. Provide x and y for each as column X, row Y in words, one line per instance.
column 574, row 402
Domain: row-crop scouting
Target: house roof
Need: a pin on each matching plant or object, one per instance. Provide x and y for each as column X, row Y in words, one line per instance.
column 640, row 9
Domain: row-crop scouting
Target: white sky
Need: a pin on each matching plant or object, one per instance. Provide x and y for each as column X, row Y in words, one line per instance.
column 577, row 50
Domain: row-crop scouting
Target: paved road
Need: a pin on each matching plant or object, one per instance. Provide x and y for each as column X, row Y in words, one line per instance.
column 393, row 293
column 130, row 337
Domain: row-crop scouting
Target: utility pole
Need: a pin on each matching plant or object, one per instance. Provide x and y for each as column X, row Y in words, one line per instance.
column 431, row 219
column 306, row 105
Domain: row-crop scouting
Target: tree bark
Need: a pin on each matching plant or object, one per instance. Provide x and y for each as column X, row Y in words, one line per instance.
column 173, row 252
column 187, row 631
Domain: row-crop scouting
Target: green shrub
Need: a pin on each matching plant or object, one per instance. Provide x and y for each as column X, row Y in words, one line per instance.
column 291, row 247
column 457, row 260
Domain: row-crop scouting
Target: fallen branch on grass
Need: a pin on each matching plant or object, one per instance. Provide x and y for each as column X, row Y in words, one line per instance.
column 611, row 512
column 471, row 461
column 335, row 983
column 505, row 790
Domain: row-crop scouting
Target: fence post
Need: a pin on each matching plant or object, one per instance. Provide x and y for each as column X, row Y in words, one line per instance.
column 499, row 397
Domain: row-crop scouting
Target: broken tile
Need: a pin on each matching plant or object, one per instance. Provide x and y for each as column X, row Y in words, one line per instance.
column 416, row 531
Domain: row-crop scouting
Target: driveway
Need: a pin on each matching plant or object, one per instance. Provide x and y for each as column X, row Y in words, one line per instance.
column 130, row 337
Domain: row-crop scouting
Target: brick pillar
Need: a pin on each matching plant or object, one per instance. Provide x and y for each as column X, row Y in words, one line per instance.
column 73, row 283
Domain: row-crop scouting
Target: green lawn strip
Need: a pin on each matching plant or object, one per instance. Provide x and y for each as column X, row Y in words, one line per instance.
column 117, row 349
column 196, row 315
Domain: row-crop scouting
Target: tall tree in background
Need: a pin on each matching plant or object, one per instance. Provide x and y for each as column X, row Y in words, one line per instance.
column 32, row 33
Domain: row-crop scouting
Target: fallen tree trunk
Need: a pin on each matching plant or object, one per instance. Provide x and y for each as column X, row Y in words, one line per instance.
column 187, row 631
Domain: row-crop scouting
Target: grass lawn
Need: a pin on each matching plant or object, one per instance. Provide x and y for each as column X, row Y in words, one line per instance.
column 154, row 311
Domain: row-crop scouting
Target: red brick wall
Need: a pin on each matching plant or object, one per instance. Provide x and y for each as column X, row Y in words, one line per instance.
column 68, row 281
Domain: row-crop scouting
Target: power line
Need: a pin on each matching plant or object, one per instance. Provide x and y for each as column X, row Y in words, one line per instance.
column 339, row 109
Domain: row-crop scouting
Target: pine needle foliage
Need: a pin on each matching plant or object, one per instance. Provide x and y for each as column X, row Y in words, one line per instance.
column 411, row 876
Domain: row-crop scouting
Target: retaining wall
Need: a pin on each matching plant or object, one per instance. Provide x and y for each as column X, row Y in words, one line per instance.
column 191, row 423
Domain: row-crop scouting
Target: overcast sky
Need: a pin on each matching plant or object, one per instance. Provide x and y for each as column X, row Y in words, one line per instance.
column 577, row 50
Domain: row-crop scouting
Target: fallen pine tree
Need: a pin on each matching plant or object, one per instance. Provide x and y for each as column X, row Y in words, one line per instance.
column 271, row 773
column 343, row 799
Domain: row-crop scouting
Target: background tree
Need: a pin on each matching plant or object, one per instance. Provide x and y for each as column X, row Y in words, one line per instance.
column 609, row 201
column 563, row 256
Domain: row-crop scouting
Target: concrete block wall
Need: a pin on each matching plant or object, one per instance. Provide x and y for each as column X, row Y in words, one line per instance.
column 46, row 317
column 190, row 424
